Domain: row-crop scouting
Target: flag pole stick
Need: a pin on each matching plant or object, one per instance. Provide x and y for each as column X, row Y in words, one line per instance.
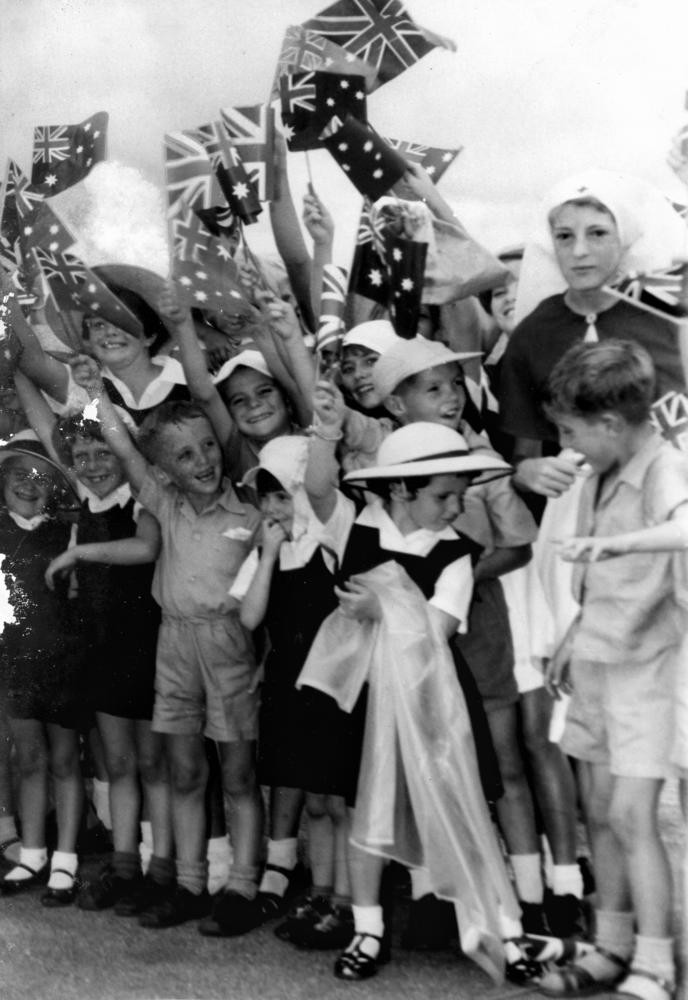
column 310, row 174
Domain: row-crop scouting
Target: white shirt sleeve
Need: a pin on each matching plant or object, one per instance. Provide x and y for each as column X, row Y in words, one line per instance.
column 243, row 579
column 454, row 589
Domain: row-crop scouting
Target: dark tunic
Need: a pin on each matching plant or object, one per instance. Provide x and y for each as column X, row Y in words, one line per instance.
column 119, row 619
column 40, row 652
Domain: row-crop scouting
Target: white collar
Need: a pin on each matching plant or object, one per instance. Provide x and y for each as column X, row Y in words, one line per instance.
column 157, row 389
column 118, row 498
column 374, row 515
column 28, row 523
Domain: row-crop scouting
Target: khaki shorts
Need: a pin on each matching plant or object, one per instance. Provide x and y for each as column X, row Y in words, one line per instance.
column 622, row 715
column 203, row 675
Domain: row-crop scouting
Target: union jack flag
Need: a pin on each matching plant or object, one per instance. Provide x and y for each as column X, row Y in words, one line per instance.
column 189, row 174
column 435, row 161
column 332, row 304
column 380, row 32
column 190, row 237
column 670, row 417
column 64, row 154
column 252, row 131
column 307, row 50
column 369, row 269
column 297, row 93
column 51, row 143
column 26, row 198
column 64, row 272
column 664, row 292
column 215, row 142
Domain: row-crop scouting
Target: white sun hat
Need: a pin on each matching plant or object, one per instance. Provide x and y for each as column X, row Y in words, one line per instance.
column 409, row 357
column 426, row 449
column 375, row 335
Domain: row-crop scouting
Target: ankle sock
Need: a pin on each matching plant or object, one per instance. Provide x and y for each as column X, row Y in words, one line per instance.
column 243, row 879
column 146, row 845
column 420, row 883
column 369, row 920
column 281, row 853
column 527, row 869
column 509, row 926
column 34, row 857
column 614, row 931
column 192, row 875
column 567, row 880
column 219, row 855
column 66, row 861
column 101, row 802
column 126, row 864
column 162, row 871
column 655, row 955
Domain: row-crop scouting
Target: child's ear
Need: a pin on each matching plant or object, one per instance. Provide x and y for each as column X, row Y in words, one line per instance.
column 395, row 405
column 399, row 490
column 613, row 423
column 163, row 477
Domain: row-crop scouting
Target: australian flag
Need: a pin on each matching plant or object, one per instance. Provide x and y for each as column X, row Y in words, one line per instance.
column 64, row 154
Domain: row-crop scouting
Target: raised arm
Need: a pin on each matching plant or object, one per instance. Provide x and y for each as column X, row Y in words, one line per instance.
column 255, row 602
column 143, row 547
column 322, row 469
column 192, row 357
column 47, row 373
column 320, row 226
column 281, row 343
column 118, row 438
column 288, row 236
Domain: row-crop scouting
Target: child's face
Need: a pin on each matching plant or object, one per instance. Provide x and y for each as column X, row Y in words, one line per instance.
column 28, row 484
column 356, row 372
column 256, row 404
column 96, row 466
column 438, row 504
column 586, row 245
column 596, row 438
column 190, row 456
column 278, row 506
column 503, row 303
column 437, row 395
column 113, row 347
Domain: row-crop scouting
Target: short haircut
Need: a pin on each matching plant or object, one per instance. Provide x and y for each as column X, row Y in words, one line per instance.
column 612, row 376
column 71, row 427
column 267, row 483
column 383, row 487
column 153, row 326
column 172, row 413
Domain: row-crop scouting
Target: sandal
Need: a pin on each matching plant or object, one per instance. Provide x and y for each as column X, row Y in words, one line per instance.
column 9, row 886
column 60, row 897
column 642, row 985
column 356, row 964
column 3, row 848
column 576, row 981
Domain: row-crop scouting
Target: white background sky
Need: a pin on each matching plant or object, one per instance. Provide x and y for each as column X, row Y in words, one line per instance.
column 538, row 88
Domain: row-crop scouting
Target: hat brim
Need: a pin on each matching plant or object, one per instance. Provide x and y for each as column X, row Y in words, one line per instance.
column 461, row 465
column 12, row 451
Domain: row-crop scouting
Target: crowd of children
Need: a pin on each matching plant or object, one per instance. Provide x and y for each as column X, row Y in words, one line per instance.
column 332, row 607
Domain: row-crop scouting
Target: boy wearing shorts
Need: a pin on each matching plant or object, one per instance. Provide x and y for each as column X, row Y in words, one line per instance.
column 205, row 682
column 620, row 659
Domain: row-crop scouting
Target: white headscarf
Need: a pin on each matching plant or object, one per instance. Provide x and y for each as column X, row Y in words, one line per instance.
column 652, row 233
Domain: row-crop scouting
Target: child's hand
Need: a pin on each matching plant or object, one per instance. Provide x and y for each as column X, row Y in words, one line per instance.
column 590, row 549
column 317, row 220
column 60, row 566
column 272, row 536
column 550, row 476
column 279, row 315
column 329, row 408
column 170, row 308
column 557, row 674
column 678, row 155
column 85, row 371
column 249, row 280
column 358, row 601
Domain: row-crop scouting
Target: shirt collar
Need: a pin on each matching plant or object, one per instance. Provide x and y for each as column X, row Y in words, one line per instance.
column 28, row 523
column 227, row 499
column 118, row 498
column 635, row 470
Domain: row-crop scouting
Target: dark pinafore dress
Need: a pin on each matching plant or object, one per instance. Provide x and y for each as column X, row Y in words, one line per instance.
column 304, row 740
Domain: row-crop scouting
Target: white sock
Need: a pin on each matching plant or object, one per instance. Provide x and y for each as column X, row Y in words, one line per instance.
column 68, row 861
column 219, row 855
column 567, row 880
column 101, row 802
column 282, row 853
column 655, row 955
column 527, row 870
column 35, row 857
column 368, row 920
column 509, row 927
column 146, row 845
column 420, row 883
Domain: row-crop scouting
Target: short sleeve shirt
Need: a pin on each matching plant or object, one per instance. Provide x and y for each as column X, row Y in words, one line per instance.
column 543, row 337
column 201, row 553
column 630, row 608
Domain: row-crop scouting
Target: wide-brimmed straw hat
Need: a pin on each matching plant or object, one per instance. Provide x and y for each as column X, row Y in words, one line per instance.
column 26, row 443
column 409, row 357
column 426, row 449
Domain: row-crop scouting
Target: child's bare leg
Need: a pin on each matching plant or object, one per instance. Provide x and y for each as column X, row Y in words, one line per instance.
column 245, row 814
column 339, row 814
column 359, row 959
column 32, row 763
column 188, row 776
column 155, row 778
column 321, row 845
column 8, row 827
column 120, row 758
column 65, row 768
column 285, row 814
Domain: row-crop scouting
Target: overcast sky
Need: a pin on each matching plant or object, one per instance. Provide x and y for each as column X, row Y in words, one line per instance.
column 537, row 89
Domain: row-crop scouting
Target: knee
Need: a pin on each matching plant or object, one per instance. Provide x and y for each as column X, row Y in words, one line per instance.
column 65, row 765
column 511, row 768
column 631, row 823
column 120, row 766
column 239, row 782
column 31, row 761
column 316, row 807
column 153, row 768
column 336, row 808
column 189, row 776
